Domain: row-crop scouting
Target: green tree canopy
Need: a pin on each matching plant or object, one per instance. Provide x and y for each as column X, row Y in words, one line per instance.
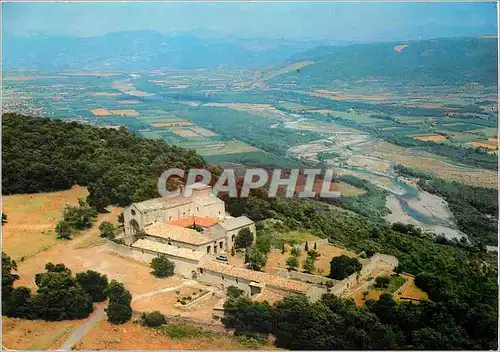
column 107, row 229
column 94, row 283
column 162, row 266
column 343, row 266
column 244, row 238
column 254, row 258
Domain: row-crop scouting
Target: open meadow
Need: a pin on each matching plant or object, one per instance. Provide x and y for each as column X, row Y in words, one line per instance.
column 32, row 218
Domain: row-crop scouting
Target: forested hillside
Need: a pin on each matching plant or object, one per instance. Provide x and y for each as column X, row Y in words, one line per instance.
column 460, row 279
column 41, row 155
column 437, row 61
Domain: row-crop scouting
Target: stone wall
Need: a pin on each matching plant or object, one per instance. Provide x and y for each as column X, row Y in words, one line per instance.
column 304, row 277
column 183, row 266
column 221, row 282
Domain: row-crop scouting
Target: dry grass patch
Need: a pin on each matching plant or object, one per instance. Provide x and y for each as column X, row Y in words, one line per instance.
column 327, row 252
column 128, row 336
column 20, row 334
column 100, row 112
column 411, row 291
column 32, row 218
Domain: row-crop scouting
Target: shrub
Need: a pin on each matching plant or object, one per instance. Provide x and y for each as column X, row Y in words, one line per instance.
column 154, row 318
column 107, row 229
column 162, row 267
column 296, row 251
column 234, row 292
column 292, row 262
column 119, row 313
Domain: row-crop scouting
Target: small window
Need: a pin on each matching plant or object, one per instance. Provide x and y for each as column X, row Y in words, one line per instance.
column 197, row 208
column 201, row 271
column 208, row 249
column 170, row 243
column 169, row 218
column 132, row 211
column 220, row 245
column 222, row 277
column 237, row 281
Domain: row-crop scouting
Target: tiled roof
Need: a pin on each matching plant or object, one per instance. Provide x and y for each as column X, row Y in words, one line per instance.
column 198, row 220
column 251, row 275
column 168, row 249
column 162, row 203
column 180, row 234
column 235, row 223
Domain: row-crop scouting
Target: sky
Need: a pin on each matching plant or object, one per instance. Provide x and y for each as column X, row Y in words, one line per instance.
column 290, row 21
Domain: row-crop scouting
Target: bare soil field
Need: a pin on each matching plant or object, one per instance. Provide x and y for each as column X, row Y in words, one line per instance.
column 433, row 138
column 100, row 112
column 484, row 145
column 130, row 336
column 183, row 132
column 431, row 163
column 125, row 112
column 35, row 334
column 32, row 218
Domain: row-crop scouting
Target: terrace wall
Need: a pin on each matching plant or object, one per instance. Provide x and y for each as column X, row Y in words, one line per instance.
column 318, row 243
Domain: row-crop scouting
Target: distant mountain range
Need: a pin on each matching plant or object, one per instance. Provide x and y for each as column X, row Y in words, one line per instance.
column 142, row 50
column 436, row 61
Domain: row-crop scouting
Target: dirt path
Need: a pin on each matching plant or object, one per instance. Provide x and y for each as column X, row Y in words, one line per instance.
column 77, row 335
column 100, row 314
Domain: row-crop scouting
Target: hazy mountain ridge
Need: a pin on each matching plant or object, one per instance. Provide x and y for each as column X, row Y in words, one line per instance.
column 436, row 61
column 139, row 50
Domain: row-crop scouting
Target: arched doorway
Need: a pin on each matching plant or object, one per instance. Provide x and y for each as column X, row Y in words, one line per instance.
column 194, row 275
column 134, row 225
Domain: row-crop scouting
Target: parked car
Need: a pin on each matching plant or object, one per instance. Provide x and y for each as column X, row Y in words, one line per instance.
column 222, row 258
